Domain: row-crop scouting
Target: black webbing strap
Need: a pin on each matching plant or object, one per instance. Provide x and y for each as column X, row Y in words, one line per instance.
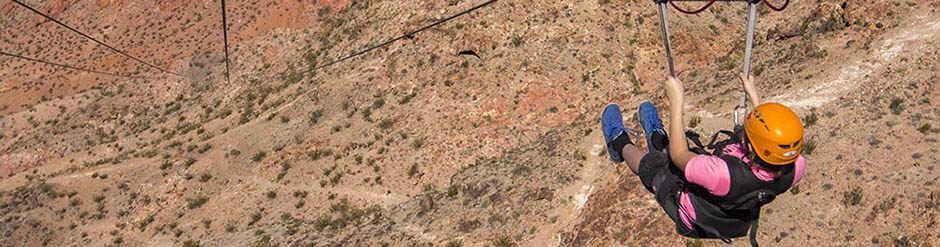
column 753, row 232
column 696, row 138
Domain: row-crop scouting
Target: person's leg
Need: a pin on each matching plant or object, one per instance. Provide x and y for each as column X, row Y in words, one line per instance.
column 620, row 147
column 632, row 155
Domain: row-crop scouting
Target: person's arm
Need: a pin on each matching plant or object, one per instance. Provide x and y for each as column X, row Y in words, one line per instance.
column 678, row 145
column 748, row 86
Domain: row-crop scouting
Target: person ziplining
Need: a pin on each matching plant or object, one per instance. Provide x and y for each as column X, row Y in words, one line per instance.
column 714, row 195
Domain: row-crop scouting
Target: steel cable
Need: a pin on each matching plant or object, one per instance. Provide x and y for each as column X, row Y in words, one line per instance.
column 91, row 38
column 71, row 66
column 407, row 35
column 225, row 40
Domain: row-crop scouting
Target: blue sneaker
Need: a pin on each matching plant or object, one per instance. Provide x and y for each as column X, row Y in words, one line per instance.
column 612, row 127
column 649, row 119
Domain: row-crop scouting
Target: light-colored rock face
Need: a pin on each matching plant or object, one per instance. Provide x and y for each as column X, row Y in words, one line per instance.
column 413, row 144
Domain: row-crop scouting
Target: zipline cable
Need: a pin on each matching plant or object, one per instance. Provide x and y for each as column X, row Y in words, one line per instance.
column 93, row 39
column 71, row 67
column 407, row 35
column 225, row 40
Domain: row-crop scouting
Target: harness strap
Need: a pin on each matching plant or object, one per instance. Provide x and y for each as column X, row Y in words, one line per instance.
column 753, row 232
column 695, row 138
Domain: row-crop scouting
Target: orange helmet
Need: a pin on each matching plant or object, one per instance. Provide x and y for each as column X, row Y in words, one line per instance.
column 775, row 133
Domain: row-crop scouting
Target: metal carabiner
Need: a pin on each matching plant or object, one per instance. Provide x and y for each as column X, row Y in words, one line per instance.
column 736, row 113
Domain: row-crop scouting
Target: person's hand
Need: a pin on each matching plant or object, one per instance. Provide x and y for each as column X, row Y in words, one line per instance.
column 747, row 84
column 674, row 89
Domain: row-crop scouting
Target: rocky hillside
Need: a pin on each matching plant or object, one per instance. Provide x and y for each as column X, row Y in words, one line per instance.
column 414, row 145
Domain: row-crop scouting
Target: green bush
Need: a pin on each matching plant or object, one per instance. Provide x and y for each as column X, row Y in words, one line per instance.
column 809, row 146
column 455, row 243
column 851, row 198
column 417, row 143
column 255, row 217
column 896, row 105
column 378, row 103
column 194, row 203
column 810, row 120
column 271, row 194
column 386, row 123
column 258, row 156
column 315, row 116
column 694, row 121
column 191, row 243
column 925, row 128
column 205, row 177
column 407, row 98
column 452, row 191
column 319, row 153
column 166, row 164
column 503, row 241
column 413, row 170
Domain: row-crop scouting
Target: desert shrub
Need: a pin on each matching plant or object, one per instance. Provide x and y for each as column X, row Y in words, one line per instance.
column 191, row 243
column 378, row 103
column 255, row 217
column 166, row 164
column 413, row 170
column 386, row 123
column 896, row 105
column 452, row 191
column 407, row 98
column 809, row 146
column 258, row 156
column 189, row 162
column 811, row 118
column 851, row 198
column 314, row 116
column 319, row 153
column 205, row 177
column 418, row 143
column 271, row 194
column 924, row 128
column 142, row 225
column 694, row 121
column 194, row 203
column 503, row 241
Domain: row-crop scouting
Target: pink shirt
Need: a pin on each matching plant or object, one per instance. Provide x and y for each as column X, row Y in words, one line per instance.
column 712, row 173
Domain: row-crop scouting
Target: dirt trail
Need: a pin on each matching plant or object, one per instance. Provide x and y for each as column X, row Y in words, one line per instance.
column 597, row 172
column 846, row 77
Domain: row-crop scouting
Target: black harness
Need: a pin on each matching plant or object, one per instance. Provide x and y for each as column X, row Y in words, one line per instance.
column 732, row 215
